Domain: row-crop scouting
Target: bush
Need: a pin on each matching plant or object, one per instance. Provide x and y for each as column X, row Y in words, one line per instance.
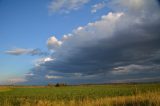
column 60, row 84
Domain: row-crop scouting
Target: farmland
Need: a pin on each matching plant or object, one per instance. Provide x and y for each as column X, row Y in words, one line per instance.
column 82, row 95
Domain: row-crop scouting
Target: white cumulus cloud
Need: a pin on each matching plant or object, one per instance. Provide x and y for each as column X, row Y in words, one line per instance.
column 65, row 6
column 53, row 43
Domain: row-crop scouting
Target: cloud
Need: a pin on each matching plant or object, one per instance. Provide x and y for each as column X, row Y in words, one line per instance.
column 97, row 7
column 122, row 45
column 22, row 51
column 43, row 60
column 145, row 79
column 134, row 69
column 66, row 37
column 53, row 77
column 65, row 6
column 53, row 43
column 17, row 80
column 29, row 74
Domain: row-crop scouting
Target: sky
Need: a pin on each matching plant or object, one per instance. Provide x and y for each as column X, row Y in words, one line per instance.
column 79, row 41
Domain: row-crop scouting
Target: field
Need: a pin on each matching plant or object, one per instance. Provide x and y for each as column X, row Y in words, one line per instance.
column 82, row 95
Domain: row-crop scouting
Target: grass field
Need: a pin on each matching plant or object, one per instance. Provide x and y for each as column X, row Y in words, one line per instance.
column 86, row 95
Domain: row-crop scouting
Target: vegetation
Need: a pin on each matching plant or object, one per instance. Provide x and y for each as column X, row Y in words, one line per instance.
column 84, row 95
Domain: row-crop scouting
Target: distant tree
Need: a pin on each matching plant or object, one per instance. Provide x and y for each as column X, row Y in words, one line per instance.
column 60, row 84
column 57, row 85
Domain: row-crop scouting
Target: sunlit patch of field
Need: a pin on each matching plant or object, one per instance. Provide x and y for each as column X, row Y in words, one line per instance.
column 86, row 95
column 4, row 89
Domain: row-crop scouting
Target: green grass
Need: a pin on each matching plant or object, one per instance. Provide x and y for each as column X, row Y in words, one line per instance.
column 78, row 93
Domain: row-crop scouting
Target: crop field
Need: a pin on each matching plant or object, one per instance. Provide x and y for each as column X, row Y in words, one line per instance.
column 82, row 95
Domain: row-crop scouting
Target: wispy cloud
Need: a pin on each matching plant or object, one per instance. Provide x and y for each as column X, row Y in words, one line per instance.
column 16, row 80
column 133, row 69
column 53, row 77
column 65, row 6
column 22, row 51
column 97, row 7
column 29, row 74
column 145, row 79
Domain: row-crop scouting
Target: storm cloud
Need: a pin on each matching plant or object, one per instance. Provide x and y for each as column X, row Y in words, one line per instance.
column 124, row 45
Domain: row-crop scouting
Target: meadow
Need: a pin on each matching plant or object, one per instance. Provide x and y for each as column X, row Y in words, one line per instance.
column 82, row 95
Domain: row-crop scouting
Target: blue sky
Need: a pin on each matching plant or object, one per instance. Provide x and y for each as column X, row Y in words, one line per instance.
column 28, row 25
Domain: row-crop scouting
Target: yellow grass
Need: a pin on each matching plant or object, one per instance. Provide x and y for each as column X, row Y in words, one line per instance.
column 147, row 99
column 3, row 89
